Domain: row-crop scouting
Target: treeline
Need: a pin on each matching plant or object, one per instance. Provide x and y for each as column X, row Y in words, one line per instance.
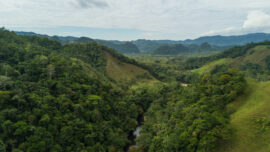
column 125, row 59
column 121, row 47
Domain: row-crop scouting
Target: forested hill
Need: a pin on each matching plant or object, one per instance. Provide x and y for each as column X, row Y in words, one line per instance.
column 122, row 47
column 56, row 97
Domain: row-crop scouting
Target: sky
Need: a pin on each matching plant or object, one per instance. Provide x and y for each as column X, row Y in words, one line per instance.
column 136, row 19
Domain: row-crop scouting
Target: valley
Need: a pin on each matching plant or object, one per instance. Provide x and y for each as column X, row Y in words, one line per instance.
column 84, row 96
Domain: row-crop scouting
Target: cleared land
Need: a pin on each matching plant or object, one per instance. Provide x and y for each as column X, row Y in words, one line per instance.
column 121, row 71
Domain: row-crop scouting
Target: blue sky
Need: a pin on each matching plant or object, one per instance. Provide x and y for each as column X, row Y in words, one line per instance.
column 136, row 19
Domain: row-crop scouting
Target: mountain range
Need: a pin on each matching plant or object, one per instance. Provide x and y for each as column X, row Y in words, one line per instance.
column 143, row 45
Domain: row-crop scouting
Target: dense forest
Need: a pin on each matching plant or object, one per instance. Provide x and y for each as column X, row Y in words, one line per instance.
column 57, row 96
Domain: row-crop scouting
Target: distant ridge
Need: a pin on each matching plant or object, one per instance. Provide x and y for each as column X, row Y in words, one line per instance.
column 230, row 40
column 143, row 45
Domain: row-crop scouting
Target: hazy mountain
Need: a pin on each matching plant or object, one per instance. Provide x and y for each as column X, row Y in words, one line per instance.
column 149, row 45
column 230, row 40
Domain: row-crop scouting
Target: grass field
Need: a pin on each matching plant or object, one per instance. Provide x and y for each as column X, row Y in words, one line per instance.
column 247, row 134
column 121, row 71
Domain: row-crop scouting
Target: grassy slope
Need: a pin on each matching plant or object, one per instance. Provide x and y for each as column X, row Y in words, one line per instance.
column 208, row 67
column 121, row 71
column 255, row 55
column 254, row 104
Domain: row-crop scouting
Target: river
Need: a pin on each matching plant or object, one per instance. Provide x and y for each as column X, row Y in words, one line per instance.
column 133, row 135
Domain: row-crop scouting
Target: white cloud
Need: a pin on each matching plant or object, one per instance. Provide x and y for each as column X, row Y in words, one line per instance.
column 256, row 21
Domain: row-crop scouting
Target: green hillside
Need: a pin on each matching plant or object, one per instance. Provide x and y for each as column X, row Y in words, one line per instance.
column 250, row 120
column 252, row 59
